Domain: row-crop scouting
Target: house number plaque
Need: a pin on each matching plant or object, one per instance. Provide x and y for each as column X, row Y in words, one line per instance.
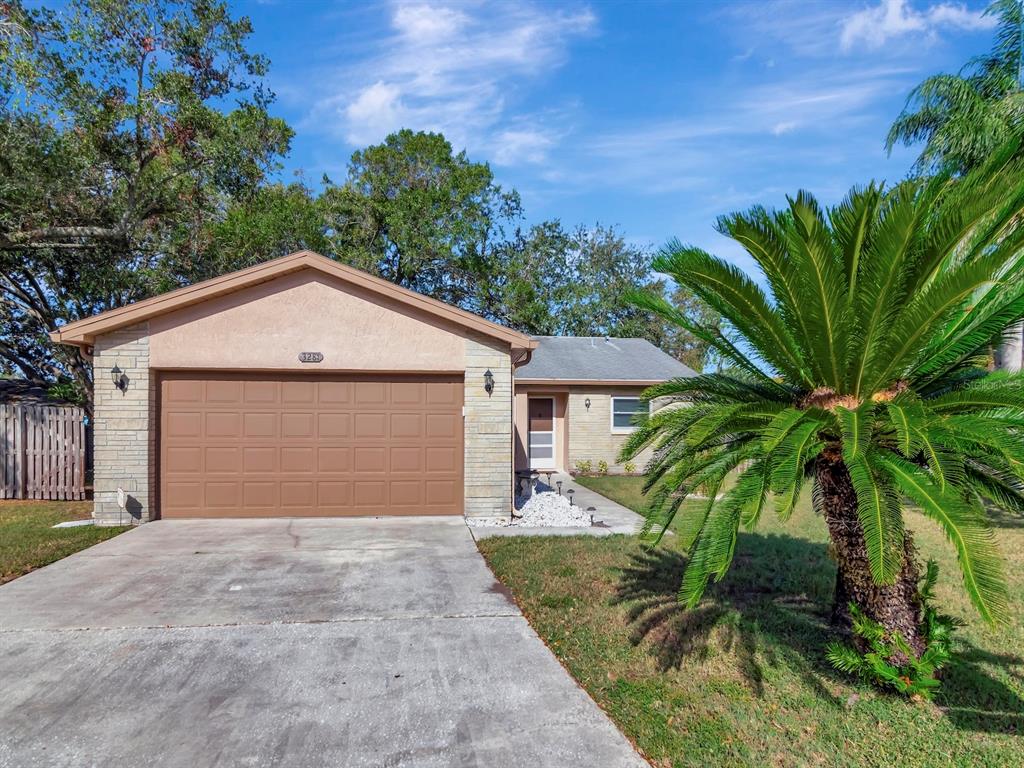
column 311, row 357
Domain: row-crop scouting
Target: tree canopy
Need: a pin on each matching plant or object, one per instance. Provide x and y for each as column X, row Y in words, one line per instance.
column 139, row 153
column 963, row 118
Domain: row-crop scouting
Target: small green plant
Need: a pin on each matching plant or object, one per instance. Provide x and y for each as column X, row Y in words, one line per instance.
column 914, row 676
column 629, row 468
column 602, row 467
column 583, row 466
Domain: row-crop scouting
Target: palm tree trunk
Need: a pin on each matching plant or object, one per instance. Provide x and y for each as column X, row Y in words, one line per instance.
column 895, row 606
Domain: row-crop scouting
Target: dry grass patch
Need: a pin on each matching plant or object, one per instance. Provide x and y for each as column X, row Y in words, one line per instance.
column 742, row 680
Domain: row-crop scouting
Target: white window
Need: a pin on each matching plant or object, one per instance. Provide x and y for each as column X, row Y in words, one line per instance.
column 623, row 411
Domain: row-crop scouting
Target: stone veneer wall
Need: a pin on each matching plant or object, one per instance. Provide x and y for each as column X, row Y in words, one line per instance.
column 590, row 434
column 488, row 425
column 124, row 447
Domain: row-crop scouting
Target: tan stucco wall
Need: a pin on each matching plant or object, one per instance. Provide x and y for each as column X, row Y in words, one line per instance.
column 124, row 437
column 581, row 433
column 266, row 326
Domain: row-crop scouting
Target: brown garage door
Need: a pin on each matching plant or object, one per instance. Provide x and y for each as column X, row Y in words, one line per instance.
column 294, row 446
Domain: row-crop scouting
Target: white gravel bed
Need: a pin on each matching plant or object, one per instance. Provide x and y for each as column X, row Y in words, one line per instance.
column 541, row 510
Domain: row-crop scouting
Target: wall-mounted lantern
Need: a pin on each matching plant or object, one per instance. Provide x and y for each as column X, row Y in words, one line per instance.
column 587, row 403
column 119, row 378
column 488, row 382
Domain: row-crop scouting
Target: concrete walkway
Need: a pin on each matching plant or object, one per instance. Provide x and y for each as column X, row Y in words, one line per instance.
column 610, row 517
column 287, row 643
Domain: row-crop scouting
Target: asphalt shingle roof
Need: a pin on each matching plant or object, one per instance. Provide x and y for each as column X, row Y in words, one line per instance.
column 597, row 358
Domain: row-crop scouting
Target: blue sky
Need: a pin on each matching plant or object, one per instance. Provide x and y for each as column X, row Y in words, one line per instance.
column 652, row 116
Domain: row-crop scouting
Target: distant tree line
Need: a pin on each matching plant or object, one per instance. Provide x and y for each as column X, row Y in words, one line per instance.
column 139, row 153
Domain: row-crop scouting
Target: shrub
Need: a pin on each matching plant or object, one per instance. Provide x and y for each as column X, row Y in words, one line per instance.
column 629, row 467
column 917, row 677
column 602, row 467
column 583, row 466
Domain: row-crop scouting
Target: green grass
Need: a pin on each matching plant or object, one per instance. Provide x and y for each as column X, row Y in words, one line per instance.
column 742, row 679
column 626, row 490
column 28, row 540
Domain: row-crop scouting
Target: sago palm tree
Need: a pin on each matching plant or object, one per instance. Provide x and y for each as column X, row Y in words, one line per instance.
column 859, row 367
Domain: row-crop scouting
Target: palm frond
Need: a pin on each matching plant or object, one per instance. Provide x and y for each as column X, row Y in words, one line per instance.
column 967, row 529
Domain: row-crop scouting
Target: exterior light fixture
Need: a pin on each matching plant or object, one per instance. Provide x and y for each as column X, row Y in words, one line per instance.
column 488, row 382
column 118, row 377
column 587, row 403
column 569, row 493
column 559, row 484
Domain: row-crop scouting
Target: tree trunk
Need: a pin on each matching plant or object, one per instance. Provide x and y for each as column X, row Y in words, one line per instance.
column 895, row 606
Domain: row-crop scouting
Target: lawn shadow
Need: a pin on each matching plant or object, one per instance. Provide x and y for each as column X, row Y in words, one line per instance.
column 773, row 608
column 760, row 610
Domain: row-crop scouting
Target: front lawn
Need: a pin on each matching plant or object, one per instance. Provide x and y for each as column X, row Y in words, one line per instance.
column 28, row 539
column 742, row 680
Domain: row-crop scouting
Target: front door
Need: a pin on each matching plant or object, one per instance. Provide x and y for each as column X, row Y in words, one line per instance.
column 542, row 432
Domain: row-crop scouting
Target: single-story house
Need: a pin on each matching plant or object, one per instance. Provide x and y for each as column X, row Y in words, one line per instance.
column 304, row 387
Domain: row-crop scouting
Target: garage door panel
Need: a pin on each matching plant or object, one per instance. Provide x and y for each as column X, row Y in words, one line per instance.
column 223, row 460
column 369, row 495
column 223, row 424
column 440, row 459
column 223, row 391
column 185, row 458
column 260, row 425
column 184, row 424
column 440, row 393
column 298, row 392
column 334, row 392
column 222, row 495
column 370, row 426
column 371, row 393
column 334, row 425
column 406, row 393
column 260, row 391
column 334, row 459
column 260, row 460
column 442, row 425
column 406, row 425
column 370, row 459
column 299, row 459
column 406, row 493
column 442, row 493
column 258, row 494
column 298, row 494
column 179, row 495
column 310, row 446
column 406, row 459
column 298, row 425
column 334, row 493
column 183, row 391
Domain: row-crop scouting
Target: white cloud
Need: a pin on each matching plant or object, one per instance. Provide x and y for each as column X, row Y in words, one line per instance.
column 426, row 23
column 376, row 110
column 529, row 145
column 459, row 68
column 874, row 26
column 784, row 127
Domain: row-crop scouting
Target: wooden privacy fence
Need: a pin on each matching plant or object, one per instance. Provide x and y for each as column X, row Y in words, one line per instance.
column 42, row 455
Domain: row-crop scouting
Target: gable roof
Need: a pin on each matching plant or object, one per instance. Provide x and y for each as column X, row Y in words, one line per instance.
column 599, row 359
column 84, row 332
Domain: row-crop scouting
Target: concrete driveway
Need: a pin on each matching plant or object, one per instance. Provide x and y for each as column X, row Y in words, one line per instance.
column 354, row 642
